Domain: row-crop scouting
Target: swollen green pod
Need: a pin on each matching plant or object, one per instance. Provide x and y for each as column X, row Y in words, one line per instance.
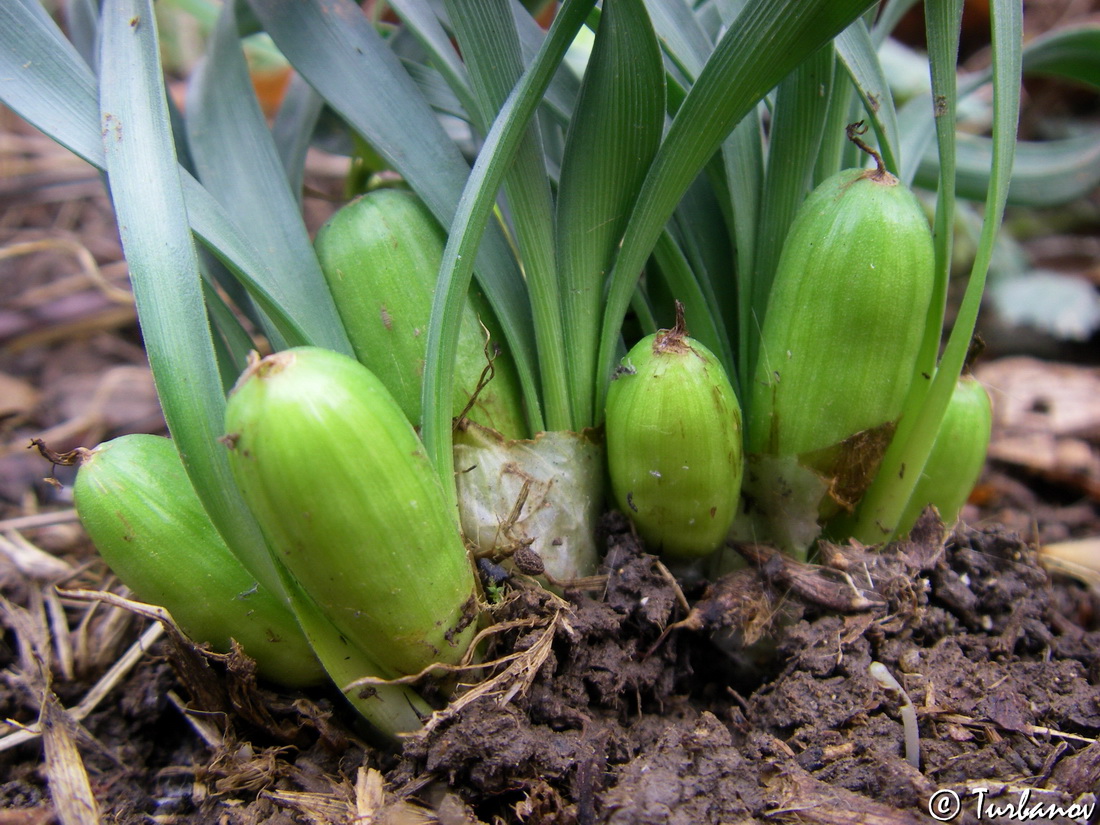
column 381, row 255
column 957, row 456
column 845, row 317
column 135, row 500
column 339, row 481
column 674, row 450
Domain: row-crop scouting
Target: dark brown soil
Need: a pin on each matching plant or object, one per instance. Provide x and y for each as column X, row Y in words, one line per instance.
column 757, row 706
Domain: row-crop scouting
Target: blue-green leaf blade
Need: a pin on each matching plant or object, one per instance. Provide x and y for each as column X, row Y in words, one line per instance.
column 152, row 217
column 334, row 47
column 1045, row 173
column 856, row 51
column 238, row 163
column 763, row 45
column 617, row 126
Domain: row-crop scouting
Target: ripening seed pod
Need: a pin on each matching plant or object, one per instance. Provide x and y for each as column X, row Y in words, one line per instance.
column 339, row 481
column 673, row 428
column 381, row 255
column 845, row 316
column 137, row 504
column 957, row 456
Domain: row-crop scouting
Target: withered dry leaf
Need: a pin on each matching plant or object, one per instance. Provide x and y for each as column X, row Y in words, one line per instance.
column 69, row 785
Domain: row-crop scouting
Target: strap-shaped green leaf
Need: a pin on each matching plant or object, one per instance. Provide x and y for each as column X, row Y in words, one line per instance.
column 943, row 20
column 471, row 218
column 294, row 125
column 1046, row 173
column 82, row 24
column 153, row 223
column 701, row 224
column 686, row 38
column 561, row 93
column 798, row 121
column 1072, row 53
column 237, row 161
column 45, row 80
column 685, row 287
column 231, row 342
column 743, row 161
column 615, row 132
column 335, row 48
column 487, row 37
column 680, row 34
column 763, row 45
column 441, row 97
column 428, row 31
column 889, row 494
column 857, row 52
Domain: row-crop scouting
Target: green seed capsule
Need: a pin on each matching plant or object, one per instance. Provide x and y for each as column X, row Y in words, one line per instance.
column 845, row 316
column 340, row 483
column 381, row 254
column 957, row 456
column 674, row 444
column 136, row 502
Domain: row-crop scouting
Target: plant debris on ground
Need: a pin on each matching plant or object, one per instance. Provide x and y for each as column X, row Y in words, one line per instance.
column 759, row 707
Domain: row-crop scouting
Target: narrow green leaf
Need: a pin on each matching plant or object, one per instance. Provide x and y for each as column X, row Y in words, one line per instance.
column 684, row 286
column 701, row 224
column 294, row 125
column 943, row 19
column 153, row 223
column 766, row 42
column 743, row 160
column 832, row 154
column 1046, row 173
column 425, row 27
column 686, row 38
column 491, row 45
column 474, row 211
column 889, row 494
column 231, row 342
column 561, row 93
column 237, row 162
column 680, row 34
column 616, row 129
column 798, row 121
column 82, row 24
column 437, row 93
column 46, row 82
column 1072, row 53
column 857, row 52
column 917, row 128
column 332, row 44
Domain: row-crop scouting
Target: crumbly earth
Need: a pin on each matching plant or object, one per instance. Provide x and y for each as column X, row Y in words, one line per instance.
column 622, row 707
